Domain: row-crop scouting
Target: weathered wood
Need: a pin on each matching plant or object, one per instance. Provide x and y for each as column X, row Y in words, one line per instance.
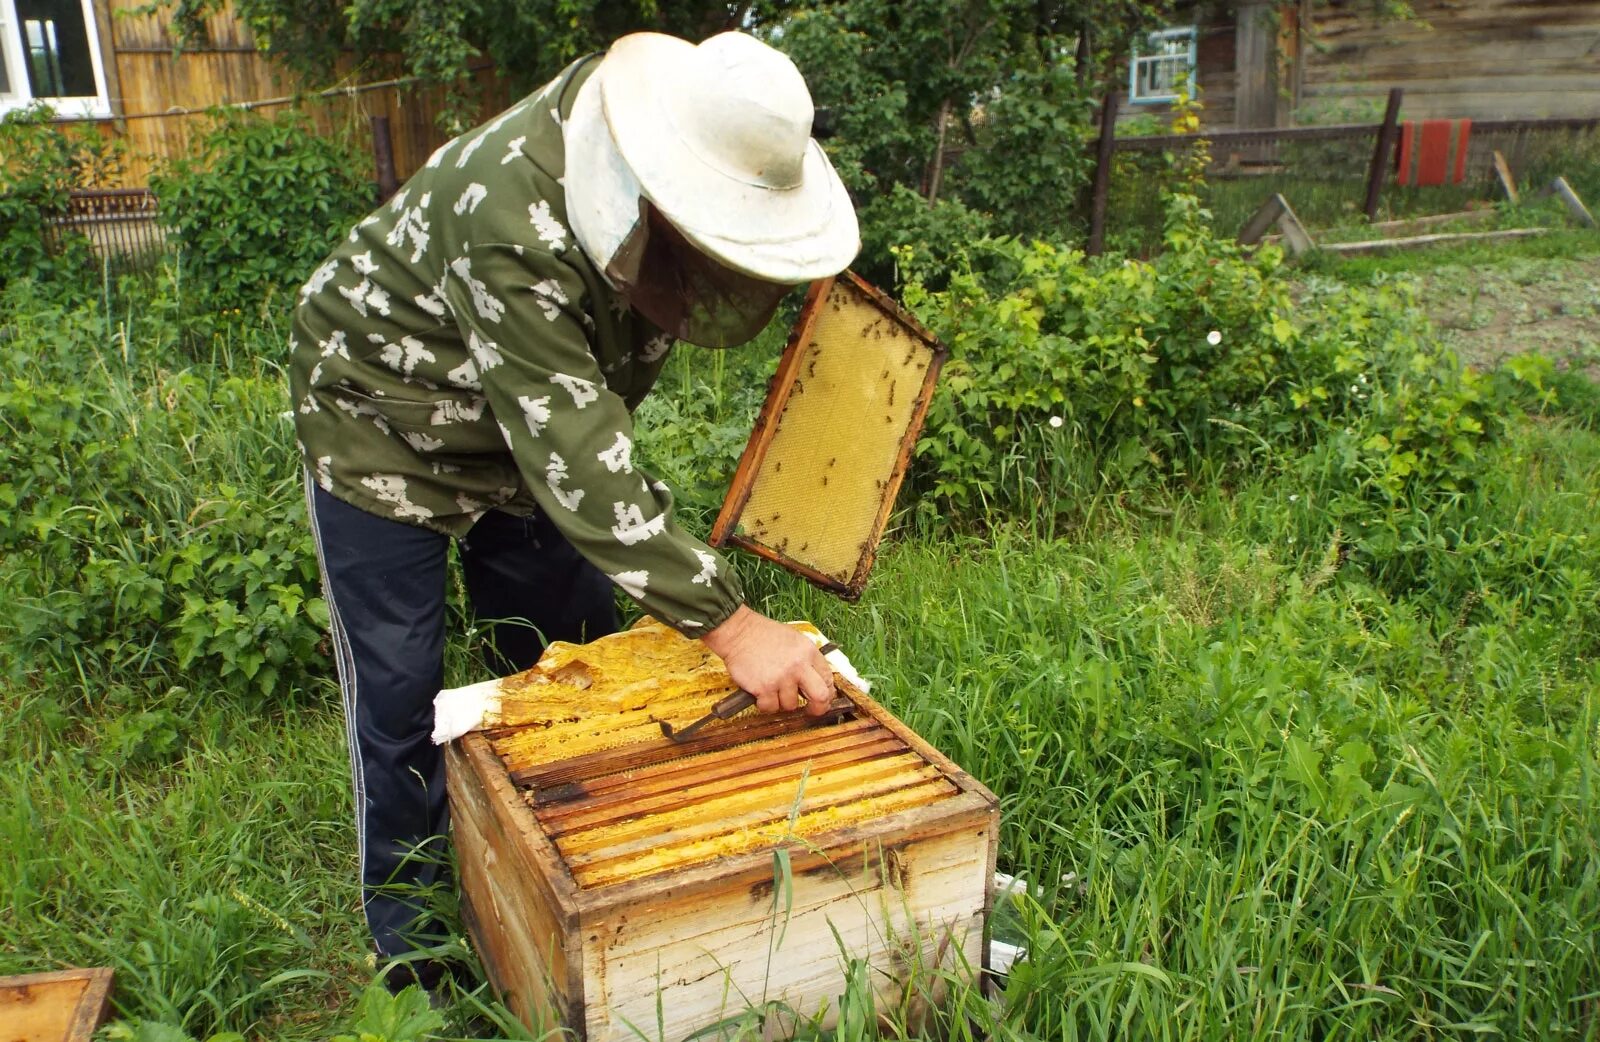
column 515, row 879
column 1265, row 217
column 1276, row 211
column 1433, row 220
column 1255, row 99
column 899, row 878
column 903, row 904
column 59, row 1006
column 1472, row 59
column 1378, row 245
column 383, row 157
column 1102, row 175
column 1223, row 141
column 1382, row 149
column 1563, row 191
column 1502, row 170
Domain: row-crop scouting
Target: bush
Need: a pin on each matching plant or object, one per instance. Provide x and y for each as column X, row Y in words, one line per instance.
column 258, row 204
column 151, row 529
column 1072, row 377
column 938, row 236
column 40, row 164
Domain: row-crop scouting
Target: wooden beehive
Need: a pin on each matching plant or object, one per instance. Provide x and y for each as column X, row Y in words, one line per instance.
column 60, row 1006
column 622, row 886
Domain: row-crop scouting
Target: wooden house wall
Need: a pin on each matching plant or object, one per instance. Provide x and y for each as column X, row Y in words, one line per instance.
column 1477, row 59
column 145, row 76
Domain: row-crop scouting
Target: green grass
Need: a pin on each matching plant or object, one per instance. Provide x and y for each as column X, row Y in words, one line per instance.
column 1265, row 791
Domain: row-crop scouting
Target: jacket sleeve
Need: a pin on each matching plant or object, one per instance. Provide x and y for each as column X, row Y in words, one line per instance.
column 520, row 309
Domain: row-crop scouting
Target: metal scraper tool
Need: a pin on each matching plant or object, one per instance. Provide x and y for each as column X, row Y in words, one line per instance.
column 732, row 705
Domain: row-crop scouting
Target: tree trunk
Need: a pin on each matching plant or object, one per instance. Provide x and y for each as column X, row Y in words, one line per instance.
column 936, row 168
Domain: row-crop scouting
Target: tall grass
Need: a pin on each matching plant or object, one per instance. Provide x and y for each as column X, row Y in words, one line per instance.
column 1263, row 791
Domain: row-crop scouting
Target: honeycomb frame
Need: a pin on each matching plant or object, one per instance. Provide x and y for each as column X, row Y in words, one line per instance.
column 785, row 542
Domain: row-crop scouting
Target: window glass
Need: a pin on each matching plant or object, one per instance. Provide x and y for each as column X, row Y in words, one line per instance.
column 55, row 46
column 1161, row 64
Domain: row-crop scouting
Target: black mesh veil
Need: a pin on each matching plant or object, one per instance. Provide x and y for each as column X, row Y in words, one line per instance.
column 687, row 294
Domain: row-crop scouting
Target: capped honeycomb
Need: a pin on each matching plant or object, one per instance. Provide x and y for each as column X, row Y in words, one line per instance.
column 839, row 425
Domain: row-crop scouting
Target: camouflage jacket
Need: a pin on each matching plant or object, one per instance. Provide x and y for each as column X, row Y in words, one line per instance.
column 459, row 352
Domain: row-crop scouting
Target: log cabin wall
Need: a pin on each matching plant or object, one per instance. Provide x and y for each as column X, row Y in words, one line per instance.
column 144, row 76
column 1474, row 59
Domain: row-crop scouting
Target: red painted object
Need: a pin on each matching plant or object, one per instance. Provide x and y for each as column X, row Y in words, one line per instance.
column 1429, row 143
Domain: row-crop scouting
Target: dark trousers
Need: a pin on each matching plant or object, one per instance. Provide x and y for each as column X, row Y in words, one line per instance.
column 385, row 584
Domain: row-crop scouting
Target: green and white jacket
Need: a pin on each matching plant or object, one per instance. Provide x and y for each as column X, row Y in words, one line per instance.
column 459, row 352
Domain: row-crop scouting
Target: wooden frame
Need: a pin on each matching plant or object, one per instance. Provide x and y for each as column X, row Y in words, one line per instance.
column 61, row 1006
column 562, row 955
column 723, row 532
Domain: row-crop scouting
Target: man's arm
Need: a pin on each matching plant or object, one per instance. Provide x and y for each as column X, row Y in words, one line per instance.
column 572, row 438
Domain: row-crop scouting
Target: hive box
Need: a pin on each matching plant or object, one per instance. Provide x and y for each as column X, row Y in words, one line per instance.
column 624, row 886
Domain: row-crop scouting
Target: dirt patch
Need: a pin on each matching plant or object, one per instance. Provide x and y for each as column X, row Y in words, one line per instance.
column 1487, row 313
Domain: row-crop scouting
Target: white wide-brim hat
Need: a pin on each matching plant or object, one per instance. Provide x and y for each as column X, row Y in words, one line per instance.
column 718, row 137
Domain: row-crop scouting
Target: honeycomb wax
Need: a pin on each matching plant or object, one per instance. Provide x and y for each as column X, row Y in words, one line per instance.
column 820, row 488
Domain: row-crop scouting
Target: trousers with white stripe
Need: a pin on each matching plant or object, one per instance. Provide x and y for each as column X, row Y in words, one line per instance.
column 386, row 586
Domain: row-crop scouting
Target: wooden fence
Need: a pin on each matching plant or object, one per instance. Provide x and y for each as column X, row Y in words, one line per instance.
column 1360, row 157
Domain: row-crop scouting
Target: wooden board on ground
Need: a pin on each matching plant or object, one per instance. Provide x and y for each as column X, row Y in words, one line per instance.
column 1276, row 212
column 1379, row 245
column 645, row 889
column 1409, row 224
column 1569, row 198
column 63, row 1006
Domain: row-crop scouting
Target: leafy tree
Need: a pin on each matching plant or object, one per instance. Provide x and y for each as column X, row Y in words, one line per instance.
column 440, row 41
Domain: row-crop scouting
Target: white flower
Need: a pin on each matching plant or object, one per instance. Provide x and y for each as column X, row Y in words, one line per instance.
column 1294, row 497
column 1056, row 421
column 1214, row 337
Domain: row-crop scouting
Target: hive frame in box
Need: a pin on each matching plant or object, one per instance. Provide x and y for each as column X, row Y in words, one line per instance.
column 549, row 945
column 724, row 531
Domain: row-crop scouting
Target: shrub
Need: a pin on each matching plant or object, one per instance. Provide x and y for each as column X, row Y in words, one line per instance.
column 151, row 529
column 40, row 164
column 938, row 236
column 258, row 204
column 1075, row 376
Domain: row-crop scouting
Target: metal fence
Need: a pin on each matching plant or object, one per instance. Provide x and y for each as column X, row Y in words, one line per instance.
column 119, row 223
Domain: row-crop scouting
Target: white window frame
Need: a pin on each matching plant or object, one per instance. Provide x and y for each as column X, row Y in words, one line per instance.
column 21, row 93
column 1156, row 42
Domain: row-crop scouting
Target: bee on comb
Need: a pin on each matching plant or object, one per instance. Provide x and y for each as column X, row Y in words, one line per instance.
column 819, row 457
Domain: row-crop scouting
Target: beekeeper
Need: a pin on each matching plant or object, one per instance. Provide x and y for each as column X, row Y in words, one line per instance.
column 464, row 367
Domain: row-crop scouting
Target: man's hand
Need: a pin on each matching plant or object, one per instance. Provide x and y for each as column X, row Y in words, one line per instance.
column 774, row 662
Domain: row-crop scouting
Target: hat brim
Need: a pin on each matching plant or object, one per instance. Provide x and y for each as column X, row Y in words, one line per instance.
column 789, row 235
